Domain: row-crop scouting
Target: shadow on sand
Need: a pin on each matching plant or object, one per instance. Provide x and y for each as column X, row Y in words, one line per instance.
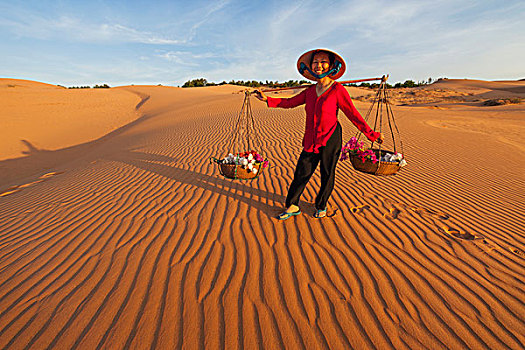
column 269, row 203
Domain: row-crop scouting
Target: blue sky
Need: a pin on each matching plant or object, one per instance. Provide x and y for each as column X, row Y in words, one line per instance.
column 170, row 42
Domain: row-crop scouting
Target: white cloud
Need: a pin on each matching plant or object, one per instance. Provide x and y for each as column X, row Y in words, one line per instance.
column 179, row 57
column 73, row 29
column 117, row 32
column 186, row 58
column 213, row 8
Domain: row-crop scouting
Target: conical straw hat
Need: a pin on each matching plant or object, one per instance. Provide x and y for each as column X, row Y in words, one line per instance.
column 306, row 57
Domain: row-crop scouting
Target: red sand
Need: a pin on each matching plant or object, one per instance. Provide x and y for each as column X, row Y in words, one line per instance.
column 134, row 240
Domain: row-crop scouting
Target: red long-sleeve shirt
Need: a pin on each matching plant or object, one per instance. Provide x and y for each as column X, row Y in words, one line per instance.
column 321, row 114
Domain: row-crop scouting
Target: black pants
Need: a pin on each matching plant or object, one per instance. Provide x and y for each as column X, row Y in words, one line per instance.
column 328, row 156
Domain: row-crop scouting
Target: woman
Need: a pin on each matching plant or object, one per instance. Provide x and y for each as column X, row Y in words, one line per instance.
column 322, row 141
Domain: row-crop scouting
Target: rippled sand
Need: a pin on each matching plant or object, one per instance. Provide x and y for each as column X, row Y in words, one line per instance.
column 133, row 239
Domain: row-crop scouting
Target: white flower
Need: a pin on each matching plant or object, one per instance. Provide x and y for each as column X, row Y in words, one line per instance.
column 244, row 161
column 402, row 163
column 254, row 170
column 250, row 156
column 387, row 157
column 397, row 156
column 250, row 166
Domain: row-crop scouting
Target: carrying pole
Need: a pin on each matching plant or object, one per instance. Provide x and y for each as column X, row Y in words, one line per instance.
column 383, row 78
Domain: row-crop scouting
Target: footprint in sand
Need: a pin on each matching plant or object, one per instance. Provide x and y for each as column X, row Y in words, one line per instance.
column 331, row 214
column 480, row 242
column 518, row 252
column 484, row 244
column 443, row 216
column 392, row 214
column 424, row 211
column 359, row 209
column 459, row 234
column 488, row 244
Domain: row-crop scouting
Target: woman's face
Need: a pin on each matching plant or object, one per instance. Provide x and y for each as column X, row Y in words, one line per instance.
column 320, row 63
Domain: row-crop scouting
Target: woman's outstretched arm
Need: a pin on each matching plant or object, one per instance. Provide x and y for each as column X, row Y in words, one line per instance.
column 291, row 102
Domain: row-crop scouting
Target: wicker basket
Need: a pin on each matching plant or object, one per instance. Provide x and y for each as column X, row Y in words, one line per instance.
column 378, row 168
column 233, row 171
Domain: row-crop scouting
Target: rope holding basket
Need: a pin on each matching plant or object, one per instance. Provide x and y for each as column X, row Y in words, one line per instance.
column 378, row 161
column 243, row 138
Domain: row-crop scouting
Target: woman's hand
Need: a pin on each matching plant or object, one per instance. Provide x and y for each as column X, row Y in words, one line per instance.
column 380, row 139
column 260, row 95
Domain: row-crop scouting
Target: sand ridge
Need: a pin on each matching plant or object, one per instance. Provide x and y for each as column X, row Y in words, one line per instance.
column 450, row 91
column 140, row 243
column 54, row 117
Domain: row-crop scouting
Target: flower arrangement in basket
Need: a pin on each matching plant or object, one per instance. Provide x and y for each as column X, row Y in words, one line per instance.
column 372, row 161
column 244, row 165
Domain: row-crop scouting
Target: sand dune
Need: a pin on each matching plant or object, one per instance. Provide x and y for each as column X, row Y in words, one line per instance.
column 54, row 117
column 487, row 89
column 446, row 91
column 133, row 240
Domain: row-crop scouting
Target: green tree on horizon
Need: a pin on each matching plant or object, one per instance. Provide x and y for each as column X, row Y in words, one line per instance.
column 250, row 83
